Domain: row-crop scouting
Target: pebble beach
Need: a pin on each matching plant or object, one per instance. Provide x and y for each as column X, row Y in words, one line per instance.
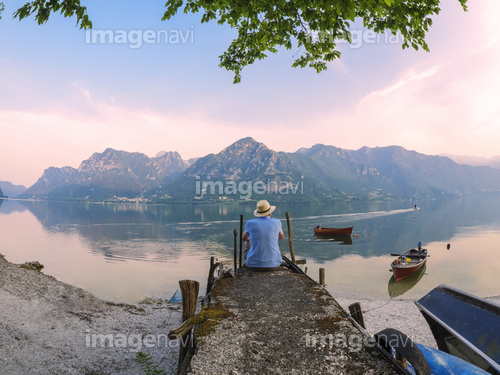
column 48, row 327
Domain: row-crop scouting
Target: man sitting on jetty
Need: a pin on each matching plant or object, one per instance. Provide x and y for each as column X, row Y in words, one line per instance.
column 263, row 234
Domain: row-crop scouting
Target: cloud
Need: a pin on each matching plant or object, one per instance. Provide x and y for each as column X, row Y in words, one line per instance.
column 34, row 140
column 377, row 95
column 445, row 101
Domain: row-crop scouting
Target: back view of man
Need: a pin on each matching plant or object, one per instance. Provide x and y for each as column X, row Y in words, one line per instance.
column 263, row 233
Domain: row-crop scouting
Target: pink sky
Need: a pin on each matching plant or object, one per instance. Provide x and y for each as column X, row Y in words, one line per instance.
column 55, row 112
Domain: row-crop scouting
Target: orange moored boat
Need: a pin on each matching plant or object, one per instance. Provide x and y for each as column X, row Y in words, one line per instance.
column 408, row 263
column 333, row 231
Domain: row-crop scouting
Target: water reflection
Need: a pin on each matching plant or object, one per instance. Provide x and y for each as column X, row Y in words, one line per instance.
column 399, row 288
column 342, row 240
column 120, row 250
column 158, row 232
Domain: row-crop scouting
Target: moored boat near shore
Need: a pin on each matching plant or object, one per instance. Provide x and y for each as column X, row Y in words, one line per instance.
column 397, row 289
column 333, row 231
column 408, row 263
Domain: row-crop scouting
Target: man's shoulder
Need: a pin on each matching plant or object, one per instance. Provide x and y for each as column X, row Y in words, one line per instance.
column 251, row 222
column 265, row 220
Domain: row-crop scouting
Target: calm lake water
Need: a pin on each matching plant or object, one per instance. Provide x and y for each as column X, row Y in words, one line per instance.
column 125, row 252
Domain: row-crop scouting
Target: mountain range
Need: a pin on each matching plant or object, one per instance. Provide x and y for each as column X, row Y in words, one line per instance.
column 493, row 162
column 249, row 170
column 11, row 190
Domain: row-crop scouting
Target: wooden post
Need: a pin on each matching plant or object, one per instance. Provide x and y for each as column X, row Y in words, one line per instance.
column 290, row 241
column 189, row 290
column 235, row 232
column 357, row 313
column 322, row 276
column 212, row 261
column 241, row 239
column 305, row 270
column 210, row 280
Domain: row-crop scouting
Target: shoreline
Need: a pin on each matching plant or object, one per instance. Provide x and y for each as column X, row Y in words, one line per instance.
column 50, row 327
column 400, row 314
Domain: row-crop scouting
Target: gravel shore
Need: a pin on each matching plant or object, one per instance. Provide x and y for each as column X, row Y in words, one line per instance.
column 48, row 327
column 400, row 314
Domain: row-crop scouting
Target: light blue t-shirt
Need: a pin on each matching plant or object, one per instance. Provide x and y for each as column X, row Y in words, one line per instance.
column 264, row 250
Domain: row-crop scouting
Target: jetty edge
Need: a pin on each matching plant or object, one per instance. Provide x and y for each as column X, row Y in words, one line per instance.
column 279, row 322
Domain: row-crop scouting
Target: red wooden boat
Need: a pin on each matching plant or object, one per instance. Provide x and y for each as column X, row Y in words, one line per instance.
column 333, row 231
column 408, row 263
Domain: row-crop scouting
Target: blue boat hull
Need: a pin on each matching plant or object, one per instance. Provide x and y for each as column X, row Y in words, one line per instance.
column 442, row 363
column 464, row 325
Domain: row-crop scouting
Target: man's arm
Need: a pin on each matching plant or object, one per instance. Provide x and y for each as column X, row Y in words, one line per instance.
column 245, row 237
column 281, row 235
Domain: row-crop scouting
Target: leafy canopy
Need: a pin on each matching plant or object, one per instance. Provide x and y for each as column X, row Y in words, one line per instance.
column 263, row 26
column 43, row 8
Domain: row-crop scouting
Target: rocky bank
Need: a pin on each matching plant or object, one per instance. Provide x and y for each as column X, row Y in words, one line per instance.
column 48, row 327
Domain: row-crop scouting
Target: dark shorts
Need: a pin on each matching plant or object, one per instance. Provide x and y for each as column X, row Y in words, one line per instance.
column 264, row 269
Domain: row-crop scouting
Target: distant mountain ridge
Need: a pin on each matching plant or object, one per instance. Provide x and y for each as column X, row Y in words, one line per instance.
column 108, row 175
column 11, row 190
column 493, row 162
column 242, row 164
column 248, row 169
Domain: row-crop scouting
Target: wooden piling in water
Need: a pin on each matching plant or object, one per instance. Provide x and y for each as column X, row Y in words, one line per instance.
column 210, row 280
column 357, row 313
column 290, row 240
column 235, row 232
column 241, row 238
column 322, row 276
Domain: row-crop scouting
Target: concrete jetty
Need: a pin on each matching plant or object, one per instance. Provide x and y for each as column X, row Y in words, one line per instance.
column 281, row 322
